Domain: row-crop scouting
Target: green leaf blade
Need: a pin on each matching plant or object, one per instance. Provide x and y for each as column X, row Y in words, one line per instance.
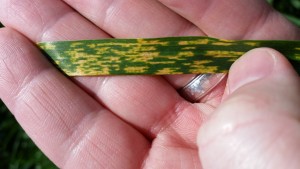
column 156, row 56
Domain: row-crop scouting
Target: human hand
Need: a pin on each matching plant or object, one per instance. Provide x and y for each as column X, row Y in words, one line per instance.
column 134, row 121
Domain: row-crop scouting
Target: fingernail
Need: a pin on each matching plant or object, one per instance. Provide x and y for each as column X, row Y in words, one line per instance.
column 252, row 66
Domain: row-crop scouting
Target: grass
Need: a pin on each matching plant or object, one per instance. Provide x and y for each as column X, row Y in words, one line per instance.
column 289, row 8
column 17, row 151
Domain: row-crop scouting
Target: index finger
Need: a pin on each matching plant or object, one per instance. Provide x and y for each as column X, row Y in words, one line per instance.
column 235, row 19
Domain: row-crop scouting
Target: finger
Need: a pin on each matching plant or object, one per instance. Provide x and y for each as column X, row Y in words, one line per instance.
column 65, row 122
column 134, row 18
column 44, row 20
column 259, row 119
column 233, row 19
column 154, row 104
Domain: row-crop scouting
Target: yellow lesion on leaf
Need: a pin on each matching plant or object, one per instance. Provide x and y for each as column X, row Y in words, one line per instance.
column 104, row 71
column 194, row 42
column 162, row 62
column 75, row 44
column 138, row 69
column 168, row 70
column 176, row 57
column 201, row 66
column 75, row 55
column 147, row 48
column 222, row 43
column 152, row 42
column 251, row 43
column 225, row 40
column 79, row 49
column 189, row 48
column 143, row 49
column 119, row 52
column 297, row 56
column 115, row 59
column 92, row 45
column 101, row 50
column 223, row 54
column 186, row 54
column 48, row 46
column 146, row 56
column 110, row 44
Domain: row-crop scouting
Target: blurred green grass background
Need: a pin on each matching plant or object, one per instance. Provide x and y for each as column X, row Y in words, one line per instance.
column 17, row 151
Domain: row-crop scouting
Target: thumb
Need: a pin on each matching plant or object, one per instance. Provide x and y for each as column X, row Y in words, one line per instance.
column 257, row 125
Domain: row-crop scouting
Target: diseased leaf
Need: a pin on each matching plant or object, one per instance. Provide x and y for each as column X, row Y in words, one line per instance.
column 157, row 56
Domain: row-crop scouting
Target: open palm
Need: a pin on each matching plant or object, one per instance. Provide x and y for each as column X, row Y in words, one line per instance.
column 117, row 121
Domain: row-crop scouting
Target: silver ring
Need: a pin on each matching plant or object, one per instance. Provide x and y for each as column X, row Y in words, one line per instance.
column 200, row 86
